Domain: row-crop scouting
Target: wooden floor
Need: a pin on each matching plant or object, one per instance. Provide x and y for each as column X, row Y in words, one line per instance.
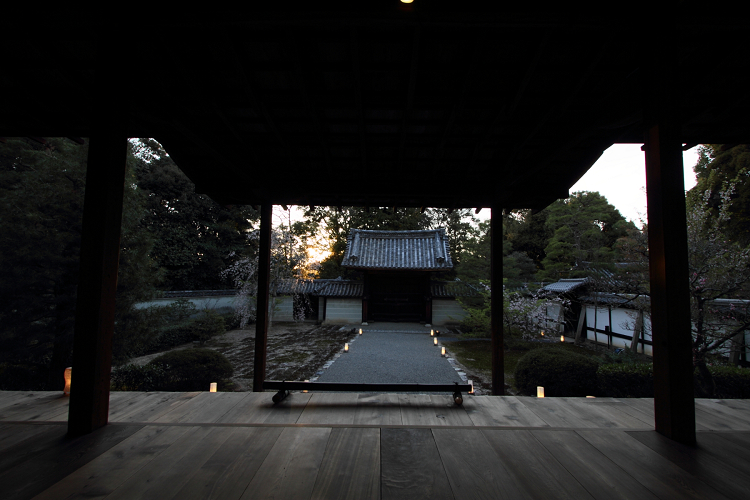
column 325, row 446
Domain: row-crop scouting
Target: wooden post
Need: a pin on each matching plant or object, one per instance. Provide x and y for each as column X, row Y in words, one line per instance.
column 581, row 323
column 264, row 279
column 637, row 331
column 674, row 405
column 100, row 250
column 496, row 301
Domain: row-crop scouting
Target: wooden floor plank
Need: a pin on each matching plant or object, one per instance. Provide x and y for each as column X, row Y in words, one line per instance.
column 556, row 413
column 229, row 471
column 411, row 467
column 258, row 408
column 206, row 407
column 291, row 467
column 662, row 477
column 600, row 476
column 12, row 434
column 535, row 471
column 330, row 408
column 35, row 408
column 62, row 457
column 716, row 468
column 737, row 444
column 118, row 400
column 106, row 473
column 350, row 466
column 174, row 467
column 377, row 409
column 606, row 414
column 473, row 471
column 506, row 411
column 644, row 413
column 721, row 417
column 157, row 405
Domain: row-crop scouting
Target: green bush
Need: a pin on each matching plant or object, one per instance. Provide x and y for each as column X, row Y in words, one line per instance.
column 206, row 326
column 137, row 378
column 626, row 380
column 560, row 372
column 731, row 382
column 192, row 369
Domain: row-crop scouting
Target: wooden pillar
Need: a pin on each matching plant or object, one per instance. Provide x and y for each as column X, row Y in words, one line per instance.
column 674, row 406
column 264, row 279
column 496, row 300
column 95, row 302
column 100, row 247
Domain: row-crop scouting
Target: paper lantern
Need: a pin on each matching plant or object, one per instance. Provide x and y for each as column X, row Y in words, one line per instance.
column 346, row 347
column 540, row 392
column 442, row 351
column 213, row 387
column 66, row 375
column 434, row 340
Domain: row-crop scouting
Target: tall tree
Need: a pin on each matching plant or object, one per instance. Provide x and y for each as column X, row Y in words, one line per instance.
column 195, row 238
column 719, row 166
column 586, row 228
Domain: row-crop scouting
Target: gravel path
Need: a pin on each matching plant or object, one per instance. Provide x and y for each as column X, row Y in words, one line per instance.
column 392, row 354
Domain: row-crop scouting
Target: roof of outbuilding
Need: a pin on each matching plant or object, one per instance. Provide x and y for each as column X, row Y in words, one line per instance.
column 425, row 250
column 566, row 285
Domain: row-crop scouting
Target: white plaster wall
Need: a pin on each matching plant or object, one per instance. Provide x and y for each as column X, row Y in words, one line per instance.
column 343, row 311
column 623, row 322
column 282, row 308
column 200, row 302
column 446, row 311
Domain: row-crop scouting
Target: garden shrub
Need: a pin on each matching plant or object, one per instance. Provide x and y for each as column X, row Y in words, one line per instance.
column 192, row 369
column 206, row 326
column 626, row 380
column 731, row 382
column 137, row 378
column 560, row 372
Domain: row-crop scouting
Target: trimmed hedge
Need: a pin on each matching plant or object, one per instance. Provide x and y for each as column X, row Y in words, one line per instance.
column 191, row 369
column 560, row 372
column 626, row 380
column 137, row 378
column 731, row 382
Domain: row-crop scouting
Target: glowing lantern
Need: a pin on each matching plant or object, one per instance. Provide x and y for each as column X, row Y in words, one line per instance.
column 434, row 340
column 360, row 331
column 213, row 387
column 540, row 392
column 346, row 347
column 442, row 352
column 562, row 338
column 66, row 375
column 471, row 383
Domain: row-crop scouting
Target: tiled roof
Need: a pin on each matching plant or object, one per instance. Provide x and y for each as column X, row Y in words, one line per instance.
column 341, row 288
column 452, row 289
column 566, row 285
column 408, row 250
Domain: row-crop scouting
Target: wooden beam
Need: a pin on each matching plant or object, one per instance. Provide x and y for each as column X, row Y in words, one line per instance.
column 100, row 247
column 674, row 405
column 264, row 279
column 496, row 300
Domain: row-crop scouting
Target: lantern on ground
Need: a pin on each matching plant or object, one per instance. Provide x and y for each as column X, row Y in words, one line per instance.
column 346, row 347
column 540, row 391
column 66, row 375
column 213, row 387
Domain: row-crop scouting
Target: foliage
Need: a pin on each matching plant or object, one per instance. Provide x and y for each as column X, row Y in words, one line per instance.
column 719, row 166
column 288, row 259
column 719, row 272
column 560, row 372
column 586, row 228
column 192, row 369
column 731, row 382
column 195, row 238
column 207, row 325
column 137, row 378
column 626, row 380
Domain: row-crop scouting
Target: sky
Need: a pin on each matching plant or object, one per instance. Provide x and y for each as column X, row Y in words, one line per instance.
column 620, row 175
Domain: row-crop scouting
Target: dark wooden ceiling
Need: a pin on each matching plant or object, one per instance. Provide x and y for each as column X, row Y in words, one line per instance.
column 377, row 105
